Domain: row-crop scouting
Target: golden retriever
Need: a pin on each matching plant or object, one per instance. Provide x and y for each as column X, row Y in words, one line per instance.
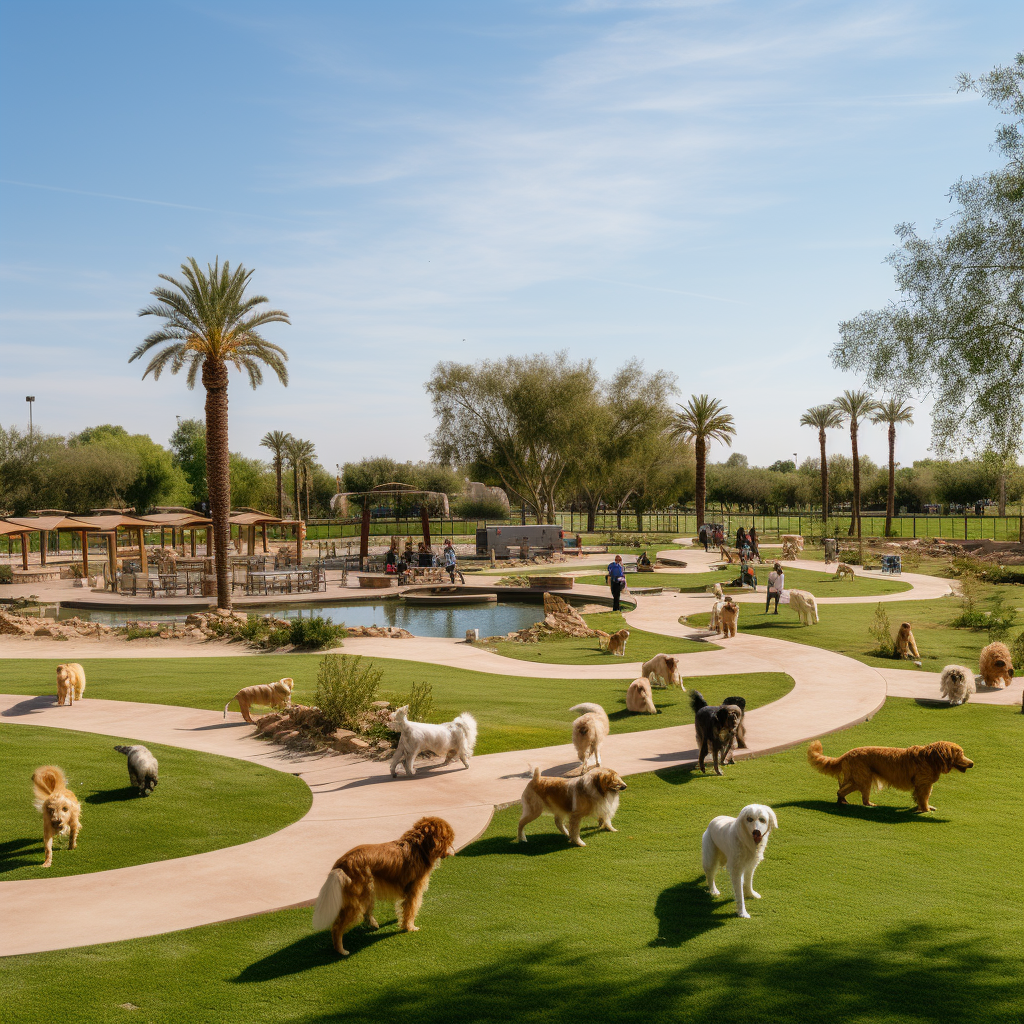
column 728, row 617
column 617, row 643
column 61, row 811
column 638, row 697
column 70, row 682
column 913, row 769
column 398, row 871
column 663, row 670
column 996, row 665
column 737, row 844
column 589, row 732
column 593, row 795
column 275, row 695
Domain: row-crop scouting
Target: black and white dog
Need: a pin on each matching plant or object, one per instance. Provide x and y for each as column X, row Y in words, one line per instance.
column 143, row 769
column 716, row 727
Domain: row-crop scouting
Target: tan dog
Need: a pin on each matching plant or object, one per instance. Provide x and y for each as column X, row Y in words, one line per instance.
column 70, row 683
column 915, row 769
column 59, row 807
column 805, row 605
column 398, row 871
column 996, row 665
column 594, row 795
column 906, row 646
column 275, row 695
column 844, row 571
column 663, row 670
column 639, row 699
column 589, row 731
column 718, row 592
column 728, row 617
column 617, row 643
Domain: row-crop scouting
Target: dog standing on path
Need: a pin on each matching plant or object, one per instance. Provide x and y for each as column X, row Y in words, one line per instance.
column 70, row 683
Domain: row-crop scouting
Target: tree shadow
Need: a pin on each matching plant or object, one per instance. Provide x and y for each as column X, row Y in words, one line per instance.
column 879, row 813
column 686, row 910
column 109, row 796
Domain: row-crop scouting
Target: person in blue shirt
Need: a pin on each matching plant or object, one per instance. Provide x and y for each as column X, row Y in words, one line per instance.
column 449, row 559
column 617, row 580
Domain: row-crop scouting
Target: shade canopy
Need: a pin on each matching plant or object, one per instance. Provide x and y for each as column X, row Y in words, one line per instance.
column 250, row 517
column 183, row 520
column 55, row 521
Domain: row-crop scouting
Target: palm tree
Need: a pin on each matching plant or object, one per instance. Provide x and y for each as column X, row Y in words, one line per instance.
column 854, row 406
column 701, row 420
column 211, row 323
column 277, row 442
column 892, row 411
column 822, row 418
column 300, row 455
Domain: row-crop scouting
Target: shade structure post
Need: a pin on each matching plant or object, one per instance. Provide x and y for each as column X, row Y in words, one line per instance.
column 209, row 542
column 112, row 558
column 364, row 534
column 300, row 532
column 162, row 536
column 192, row 540
column 251, row 540
column 85, row 556
column 24, row 551
column 143, row 566
column 425, row 519
column 264, row 538
column 42, row 547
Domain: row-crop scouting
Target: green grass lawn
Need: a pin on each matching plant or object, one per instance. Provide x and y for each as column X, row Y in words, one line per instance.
column 202, row 802
column 819, row 584
column 868, row 914
column 514, row 713
column 568, row 650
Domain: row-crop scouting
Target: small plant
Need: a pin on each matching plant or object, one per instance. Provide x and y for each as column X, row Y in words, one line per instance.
column 278, row 637
column 1017, row 651
column 970, row 591
column 136, row 632
column 316, row 632
column 881, row 630
column 256, row 629
column 345, row 689
column 1001, row 619
column 6, row 574
column 420, row 701
column 514, row 581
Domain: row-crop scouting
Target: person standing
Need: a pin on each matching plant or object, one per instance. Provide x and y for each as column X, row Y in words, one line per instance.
column 704, row 535
column 776, row 582
column 752, row 538
column 449, row 559
column 616, row 580
column 741, row 539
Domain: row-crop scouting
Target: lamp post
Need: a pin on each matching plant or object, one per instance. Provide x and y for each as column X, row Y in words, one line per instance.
column 795, row 463
column 30, row 399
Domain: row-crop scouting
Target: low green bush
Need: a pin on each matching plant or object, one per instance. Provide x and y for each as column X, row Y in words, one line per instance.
column 316, row 633
column 140, row 633
column 881, row 630
column 345, row 689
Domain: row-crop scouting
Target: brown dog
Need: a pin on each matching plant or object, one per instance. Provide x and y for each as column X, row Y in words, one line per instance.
column 906, row 646
column 70, row 682
column 594, row 795
column 914, row 769
column 996, row 665
column 728, row 617
column 59, row 807
column 398, row 871
column 716, row 726
column 663, row 670
column 639, row 699
column 275, row 695
column 589, row 731
column 614, row 643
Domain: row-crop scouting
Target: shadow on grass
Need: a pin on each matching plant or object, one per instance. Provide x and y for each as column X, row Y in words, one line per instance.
column 537, row 843
column 685, row 911
column 19, row 850
column 110, row 796
column 879, row 813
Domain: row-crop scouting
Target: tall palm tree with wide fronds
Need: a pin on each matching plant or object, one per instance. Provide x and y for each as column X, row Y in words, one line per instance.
column 891, row 412
column 300, row 457
column 277, row 442
column 701, row 420
column 210, row 323
column 822, row 418
column 855, row 406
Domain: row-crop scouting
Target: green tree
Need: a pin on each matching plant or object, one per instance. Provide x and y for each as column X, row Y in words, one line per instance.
column 277, row 442
column 188, row 450
column 209, row 324
column 891, row 412
column 854, row 407
column 701, row 420
column 822, row 418
column 301, row 455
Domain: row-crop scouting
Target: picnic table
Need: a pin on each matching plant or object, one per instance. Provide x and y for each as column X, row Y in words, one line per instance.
column 284, row 581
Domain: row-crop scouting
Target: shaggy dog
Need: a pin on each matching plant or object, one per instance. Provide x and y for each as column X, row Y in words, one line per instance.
column 449, row 740
column 398, row 871
column 844, row 571
column 716, row 727
column 728, row 616
column 663, row 670
column 638, row 697
column 915, row 769
column 70, row 682
column 589, row 731
column 906, row 645
column 143, row 769
column 805, row 606
column 593, row 795
column 957, row 684
column 737, row 844
column 59, row 807
column 996, row 665
column 741, row 729
column 275, row 695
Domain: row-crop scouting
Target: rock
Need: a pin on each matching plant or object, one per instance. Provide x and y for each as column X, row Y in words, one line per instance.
column 287, row 735
column 380, row 704
column 197, row 633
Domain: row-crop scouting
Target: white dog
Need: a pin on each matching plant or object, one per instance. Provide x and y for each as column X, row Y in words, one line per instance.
column 957, row 684
column 715, row 622
column 452, row 739
column 589, row 732
column 805, row 606
column 737, row 844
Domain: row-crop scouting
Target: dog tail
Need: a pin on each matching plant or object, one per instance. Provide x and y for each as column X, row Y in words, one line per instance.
column 697, row 700
column 331, row 899
column 738, row 701
column 123, row 750
column 47, row 780
column 825, row 765
column 588, row 709
column 467, row 723
column 226, row 706
column 536, row 774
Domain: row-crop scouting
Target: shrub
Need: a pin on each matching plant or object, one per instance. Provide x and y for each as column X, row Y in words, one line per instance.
column 316, row 632
column 971, row 620
column 1001, row 619
column 420, row 701
column 345, row 689
column 881, row 630
column 6, row 574
column 1017, row 651
column 140, row 633
column 481, row 508
column 256, row 630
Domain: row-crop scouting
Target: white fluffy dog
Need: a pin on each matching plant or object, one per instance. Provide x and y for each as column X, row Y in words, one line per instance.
column 451, row 739
column 589, row 732
column 805, row 606
column 957, row 684
column 737, row 844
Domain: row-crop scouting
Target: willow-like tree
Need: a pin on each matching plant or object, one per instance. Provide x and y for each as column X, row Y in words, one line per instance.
column 891, row 412
column 701, row 420
column 853, row 407
column 277, row 442
column 210, row 324
column 822, row 418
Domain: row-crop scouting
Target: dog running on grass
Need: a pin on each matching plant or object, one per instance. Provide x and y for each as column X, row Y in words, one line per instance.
column 398, row 871
column 70, row 682
column 716, row 726
column 61, row 811
column 913, row 769
column 143, row 769
column 449, row 740
column 593, row 795
column 589, row 732
column 275, row 695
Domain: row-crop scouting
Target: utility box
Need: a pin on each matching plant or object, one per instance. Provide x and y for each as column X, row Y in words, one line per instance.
column 512, row 541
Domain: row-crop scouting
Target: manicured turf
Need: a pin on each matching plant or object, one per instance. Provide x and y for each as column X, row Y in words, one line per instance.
column 202, row 802
column 844, row 629
column 514, row 713
column 819, row 584
column 868, row 914
column 568, row 650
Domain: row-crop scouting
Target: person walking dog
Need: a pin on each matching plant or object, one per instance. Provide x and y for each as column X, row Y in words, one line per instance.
column 616, row 580
column 776, row 582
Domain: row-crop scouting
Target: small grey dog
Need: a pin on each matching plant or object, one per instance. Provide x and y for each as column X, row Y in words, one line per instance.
column 142, row 768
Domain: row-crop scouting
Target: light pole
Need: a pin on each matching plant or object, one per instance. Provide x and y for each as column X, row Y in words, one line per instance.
column 30, row 399
column 795, row 463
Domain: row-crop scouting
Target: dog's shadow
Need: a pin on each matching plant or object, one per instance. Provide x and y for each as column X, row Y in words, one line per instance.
column 881, row 813
column 686, row 910
column 14, row 854
column 32, row 706
column 536, row 845
column 311, row 951
column 217, row 725
column 110, row 796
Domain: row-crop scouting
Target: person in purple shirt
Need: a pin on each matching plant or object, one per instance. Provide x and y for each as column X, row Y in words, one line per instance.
column 617, row 580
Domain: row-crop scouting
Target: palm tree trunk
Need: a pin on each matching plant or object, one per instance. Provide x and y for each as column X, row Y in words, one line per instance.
column 855, row 511
column 280, row 487
column 218, row 476
column 702, row 482
column 305, row 480
column 824, row 481
column 295, row 488
column 591, row 516
column 890, row 501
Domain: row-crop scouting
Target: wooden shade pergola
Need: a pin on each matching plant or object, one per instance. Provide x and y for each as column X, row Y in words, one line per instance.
column 49, row 521
column 109, row 524
column 251, row 518
column 182, row 519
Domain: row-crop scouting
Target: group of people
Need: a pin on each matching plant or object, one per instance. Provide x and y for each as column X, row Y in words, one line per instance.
column 394, row 563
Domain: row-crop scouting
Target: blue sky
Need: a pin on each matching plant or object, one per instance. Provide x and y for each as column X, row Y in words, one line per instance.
column 709, row 186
